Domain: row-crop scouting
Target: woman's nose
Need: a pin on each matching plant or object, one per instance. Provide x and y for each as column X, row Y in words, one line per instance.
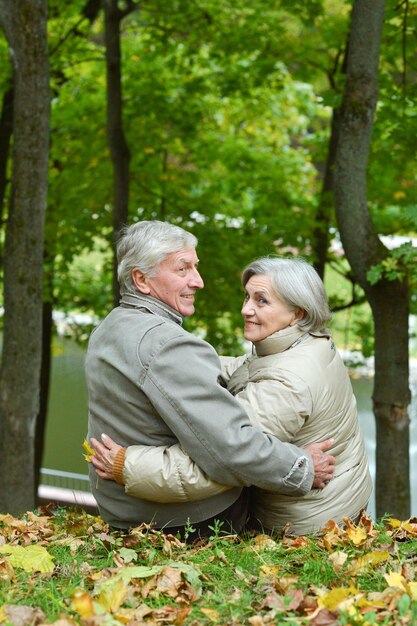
column 247, row 308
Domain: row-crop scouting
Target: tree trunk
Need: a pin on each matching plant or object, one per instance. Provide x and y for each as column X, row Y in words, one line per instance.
column 119, row 149
column 321, row 232
column 45, row 376
column 388, row 299
column 24, row 24
column 6, row 127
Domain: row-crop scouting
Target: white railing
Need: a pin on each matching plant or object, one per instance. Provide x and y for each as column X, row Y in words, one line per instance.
column 65, row 487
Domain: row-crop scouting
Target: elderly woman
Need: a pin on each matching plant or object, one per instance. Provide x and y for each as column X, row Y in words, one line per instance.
column 294, row 385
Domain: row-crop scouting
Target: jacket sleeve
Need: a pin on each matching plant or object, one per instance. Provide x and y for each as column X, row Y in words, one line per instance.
column 229, row 364
column 180, row 379
column 166, row 474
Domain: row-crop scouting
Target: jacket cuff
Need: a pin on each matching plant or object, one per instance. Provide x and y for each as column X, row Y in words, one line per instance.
column 118, row 466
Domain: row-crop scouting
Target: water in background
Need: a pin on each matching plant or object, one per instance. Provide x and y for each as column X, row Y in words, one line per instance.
column 67, row 417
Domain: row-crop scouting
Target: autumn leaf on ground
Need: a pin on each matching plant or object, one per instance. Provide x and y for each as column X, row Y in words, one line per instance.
column 395, row 579
column 171, row 582
column 356, row 534
column 6, row 569
column 82, row 604
column 171, row 614
column 22, row 615
column 404, row 529
column 338, row 598
column 332, row 535
column 112, row 595
column 338, row 559
column 31, row 558
column 269, row 571
column 32, row 528
column 263, row 542
column 367, row 561
column 412, row 590
column 212, row 614
column 324, row 617
column 288, row 602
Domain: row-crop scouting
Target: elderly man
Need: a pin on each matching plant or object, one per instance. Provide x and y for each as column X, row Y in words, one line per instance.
column 151, row 382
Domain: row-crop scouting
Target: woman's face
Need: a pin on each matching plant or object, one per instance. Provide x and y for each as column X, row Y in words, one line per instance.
column 263, row 312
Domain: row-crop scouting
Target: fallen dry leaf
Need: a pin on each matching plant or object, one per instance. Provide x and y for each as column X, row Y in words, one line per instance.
column 23, row 615
column 210, row 613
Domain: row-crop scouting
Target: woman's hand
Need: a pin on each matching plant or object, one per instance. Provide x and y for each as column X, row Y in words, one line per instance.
column 103, row 459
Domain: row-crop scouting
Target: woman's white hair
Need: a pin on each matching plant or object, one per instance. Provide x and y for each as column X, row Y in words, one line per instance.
column 145, row 245
column 296, row 283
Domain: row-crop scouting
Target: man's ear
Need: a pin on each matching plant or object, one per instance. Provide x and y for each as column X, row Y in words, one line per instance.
column 140, row 281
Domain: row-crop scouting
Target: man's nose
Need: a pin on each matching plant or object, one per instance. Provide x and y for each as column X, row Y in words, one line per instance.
column 196, row 280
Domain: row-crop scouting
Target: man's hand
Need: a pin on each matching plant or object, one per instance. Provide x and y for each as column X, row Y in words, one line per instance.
column 324, row 464
column 103, row 459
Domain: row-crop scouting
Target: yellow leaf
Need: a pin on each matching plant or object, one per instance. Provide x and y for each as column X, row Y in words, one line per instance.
column 356, row 534
column 211, row 614
column 263, row 542
column 394, row 523
column 32, row 558
column 336, row 597
column 412, row 590
column 269, row 571
column 395, row 579
column 112, row 595
column 367, row 560
column 410, row 528
column 89, row 451
column 82, row 604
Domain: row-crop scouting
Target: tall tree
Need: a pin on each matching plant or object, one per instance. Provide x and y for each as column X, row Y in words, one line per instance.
column 389, row 299
column 88, row 13
column 119, row 150
column 24, row 25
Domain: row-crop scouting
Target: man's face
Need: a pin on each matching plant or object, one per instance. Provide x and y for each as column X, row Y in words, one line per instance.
column 177, row 281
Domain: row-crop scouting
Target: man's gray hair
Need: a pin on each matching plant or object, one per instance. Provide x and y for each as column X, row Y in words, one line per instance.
column 296, row 283
column 144, row 245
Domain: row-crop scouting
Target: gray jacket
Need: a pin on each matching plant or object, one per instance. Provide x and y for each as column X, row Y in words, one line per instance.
column 296, row 388
column 151, row 382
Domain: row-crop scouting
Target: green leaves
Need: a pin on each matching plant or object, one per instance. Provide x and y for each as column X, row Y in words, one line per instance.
column 32, row 558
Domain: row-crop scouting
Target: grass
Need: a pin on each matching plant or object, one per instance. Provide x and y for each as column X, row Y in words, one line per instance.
column 64, row 567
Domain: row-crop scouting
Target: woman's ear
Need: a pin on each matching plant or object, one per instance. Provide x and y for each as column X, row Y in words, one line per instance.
column 298, row 315
column 140, row 281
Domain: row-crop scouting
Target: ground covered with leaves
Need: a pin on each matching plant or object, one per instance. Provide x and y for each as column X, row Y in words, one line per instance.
column 64, row 567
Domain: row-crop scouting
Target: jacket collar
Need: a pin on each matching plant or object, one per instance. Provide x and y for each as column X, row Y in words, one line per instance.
column 285, row 339
column 150, row 305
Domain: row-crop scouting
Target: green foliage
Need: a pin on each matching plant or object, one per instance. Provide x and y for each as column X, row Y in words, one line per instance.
column 399, row 265
column 226, row 110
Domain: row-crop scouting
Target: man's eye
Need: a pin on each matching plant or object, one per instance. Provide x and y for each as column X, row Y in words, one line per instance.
column 263, row 301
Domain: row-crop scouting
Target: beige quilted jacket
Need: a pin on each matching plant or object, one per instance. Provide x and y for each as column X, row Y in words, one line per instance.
column 296, row 387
